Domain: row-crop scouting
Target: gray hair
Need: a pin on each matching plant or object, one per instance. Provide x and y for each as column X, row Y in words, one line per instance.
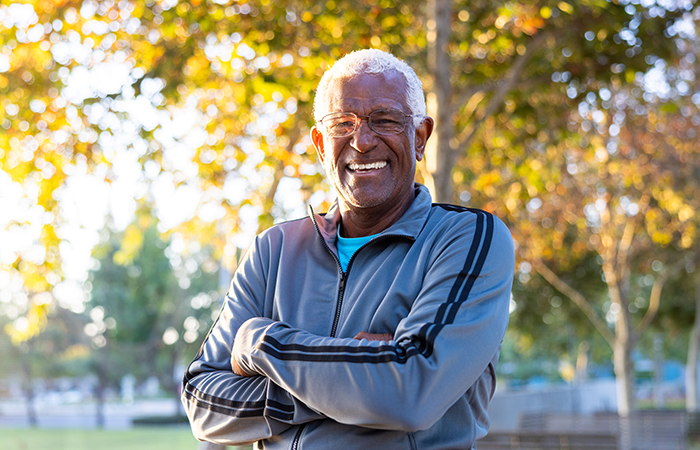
column 371, row 61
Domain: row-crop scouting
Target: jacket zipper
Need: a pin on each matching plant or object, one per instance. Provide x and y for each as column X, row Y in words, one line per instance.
column 295, row 443
column 297, row 436
column 339, row 304
column 412, row 441
column 336, row 319
column 341, row 294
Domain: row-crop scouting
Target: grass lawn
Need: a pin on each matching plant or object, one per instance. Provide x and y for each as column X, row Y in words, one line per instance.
column 146, row 438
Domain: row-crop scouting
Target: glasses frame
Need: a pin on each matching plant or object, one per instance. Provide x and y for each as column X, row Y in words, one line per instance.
column 358, row 120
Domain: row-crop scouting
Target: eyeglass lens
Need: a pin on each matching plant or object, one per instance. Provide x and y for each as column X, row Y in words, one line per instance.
column 380, row 121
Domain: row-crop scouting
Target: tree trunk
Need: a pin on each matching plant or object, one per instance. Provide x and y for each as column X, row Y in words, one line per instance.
column 439, row 156
column 624, row 344
column 28, row 388
column 100, row 398
column 659, row 400
column 582, row 362
column 624, row 340
column 691, row 377
column 624, row 376
column 174, row 386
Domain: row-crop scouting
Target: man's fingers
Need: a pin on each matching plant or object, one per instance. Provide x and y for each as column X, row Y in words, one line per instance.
column 386, row 337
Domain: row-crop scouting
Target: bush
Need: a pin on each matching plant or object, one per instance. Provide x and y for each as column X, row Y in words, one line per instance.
column 180, row 419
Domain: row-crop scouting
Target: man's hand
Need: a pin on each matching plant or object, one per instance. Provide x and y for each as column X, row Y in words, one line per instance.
column 238, row 370
column 386, row 337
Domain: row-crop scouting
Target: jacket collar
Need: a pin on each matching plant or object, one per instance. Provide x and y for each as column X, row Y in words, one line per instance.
column 409, row 225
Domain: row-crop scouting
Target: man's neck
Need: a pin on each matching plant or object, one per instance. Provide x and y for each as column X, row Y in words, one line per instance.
column 359, row 222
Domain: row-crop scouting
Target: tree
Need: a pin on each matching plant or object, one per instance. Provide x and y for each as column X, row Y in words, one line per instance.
column 60, row 351
column 544, row 326
column 612, row 176
column 687, row 123
column 500, row 54
column 148, row 317
column 691, row 392
column 678, row 321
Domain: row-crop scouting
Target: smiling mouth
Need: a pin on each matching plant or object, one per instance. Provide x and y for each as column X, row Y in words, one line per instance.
column 364, row 167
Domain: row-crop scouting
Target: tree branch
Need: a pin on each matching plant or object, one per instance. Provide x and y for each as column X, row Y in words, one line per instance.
column 468, row 96
column 502, row 89
column 655, row 297
column 625, row 242
column 279, row 173
column 577, row 298
column 623, row 248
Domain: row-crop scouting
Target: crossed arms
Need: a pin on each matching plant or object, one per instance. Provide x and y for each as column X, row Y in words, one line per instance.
column 255, row 377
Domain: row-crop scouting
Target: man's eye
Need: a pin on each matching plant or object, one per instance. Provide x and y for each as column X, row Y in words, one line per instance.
column 385, row 121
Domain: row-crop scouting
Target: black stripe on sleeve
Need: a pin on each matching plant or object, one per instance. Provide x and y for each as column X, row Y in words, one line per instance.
column 222, row 405
column 430, row 330
column 241, row 409
column 454, row 304
column 297, row 352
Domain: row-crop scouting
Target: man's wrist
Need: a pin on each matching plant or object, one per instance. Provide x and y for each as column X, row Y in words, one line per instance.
column 385, row 337
column 249, row 334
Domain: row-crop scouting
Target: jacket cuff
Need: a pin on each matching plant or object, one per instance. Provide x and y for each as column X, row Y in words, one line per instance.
column 247, row 338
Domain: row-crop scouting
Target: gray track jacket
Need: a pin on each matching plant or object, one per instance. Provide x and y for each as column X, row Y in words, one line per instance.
column 439, row 279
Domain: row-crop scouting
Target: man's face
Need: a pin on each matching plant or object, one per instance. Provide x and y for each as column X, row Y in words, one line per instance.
column 368, row 169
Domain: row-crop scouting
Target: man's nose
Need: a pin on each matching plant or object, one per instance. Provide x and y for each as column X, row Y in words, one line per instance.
column 364, row 138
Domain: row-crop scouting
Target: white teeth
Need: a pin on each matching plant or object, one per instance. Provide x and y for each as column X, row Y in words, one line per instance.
column 376, row 165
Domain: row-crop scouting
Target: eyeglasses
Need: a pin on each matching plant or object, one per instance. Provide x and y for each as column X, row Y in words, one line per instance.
column 381, row 121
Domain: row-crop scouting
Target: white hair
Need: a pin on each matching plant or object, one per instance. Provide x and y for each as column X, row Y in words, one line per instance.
column 371, row 61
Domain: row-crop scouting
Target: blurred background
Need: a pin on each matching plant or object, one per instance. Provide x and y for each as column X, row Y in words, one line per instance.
column 144, row 143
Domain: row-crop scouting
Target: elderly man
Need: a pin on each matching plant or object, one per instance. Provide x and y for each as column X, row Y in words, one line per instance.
column 376, row 325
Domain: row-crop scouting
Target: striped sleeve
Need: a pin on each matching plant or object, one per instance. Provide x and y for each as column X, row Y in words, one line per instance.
column 226, row 408
column 442, row 348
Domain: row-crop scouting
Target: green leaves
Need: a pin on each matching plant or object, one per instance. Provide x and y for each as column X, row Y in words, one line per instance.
column 151, row 302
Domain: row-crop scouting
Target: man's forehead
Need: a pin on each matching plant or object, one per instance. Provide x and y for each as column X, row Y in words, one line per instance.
column 386, row 89
column 352, row 103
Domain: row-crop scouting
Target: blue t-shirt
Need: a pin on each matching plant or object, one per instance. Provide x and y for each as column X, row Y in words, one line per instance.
column 348, row 246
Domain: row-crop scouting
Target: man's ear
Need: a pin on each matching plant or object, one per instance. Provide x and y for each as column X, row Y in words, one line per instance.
column 423, row 132
column 317, row 139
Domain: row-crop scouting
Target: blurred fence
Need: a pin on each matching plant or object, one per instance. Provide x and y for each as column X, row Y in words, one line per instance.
column 507, row 407
column 642, row 430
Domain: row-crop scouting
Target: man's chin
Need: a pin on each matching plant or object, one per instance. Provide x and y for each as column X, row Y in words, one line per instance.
column 362, row 202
